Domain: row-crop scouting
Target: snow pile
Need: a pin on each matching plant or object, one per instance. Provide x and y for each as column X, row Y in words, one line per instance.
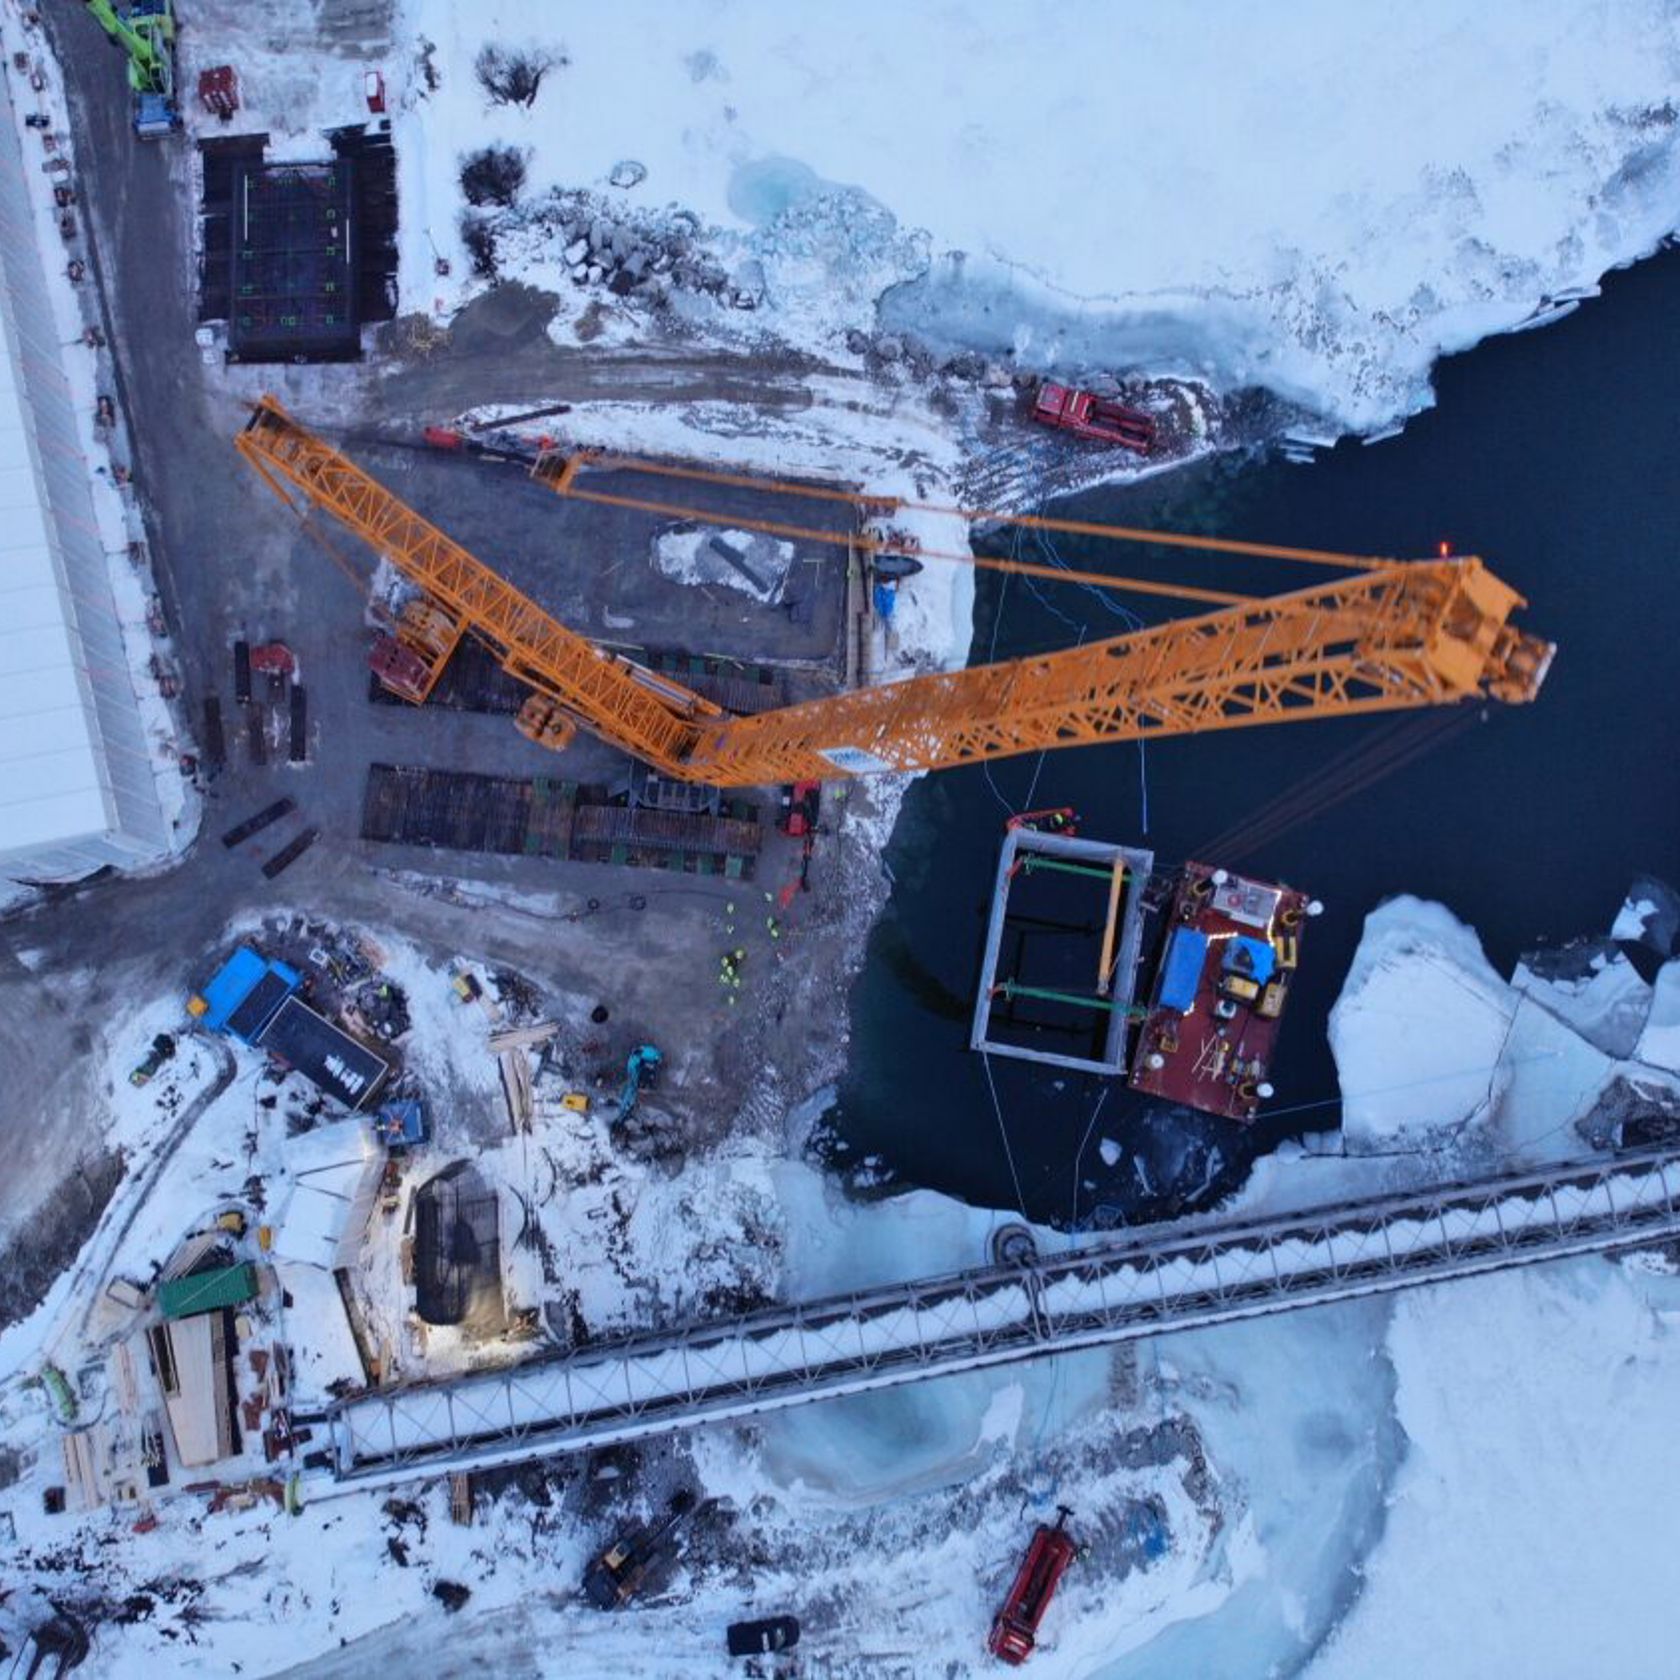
column 1419, row 1030
column 1291, row 208
column 1529, row 1530
column 1593, row 988
column 756, row 565
column 1659, row 1041
column 1432, row 1048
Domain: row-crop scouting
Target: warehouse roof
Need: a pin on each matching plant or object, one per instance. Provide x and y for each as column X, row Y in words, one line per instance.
column 50, row 755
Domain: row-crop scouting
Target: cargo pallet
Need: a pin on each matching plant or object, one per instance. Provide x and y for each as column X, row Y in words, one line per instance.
column 459, row 810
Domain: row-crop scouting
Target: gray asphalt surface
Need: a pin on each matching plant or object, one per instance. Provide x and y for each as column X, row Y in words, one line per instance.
column 231, row 562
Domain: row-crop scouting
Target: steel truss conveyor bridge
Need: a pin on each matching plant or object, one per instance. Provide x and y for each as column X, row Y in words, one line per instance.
column 1117, row 1289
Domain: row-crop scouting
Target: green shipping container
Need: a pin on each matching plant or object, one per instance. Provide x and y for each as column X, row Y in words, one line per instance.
column 202, row 1292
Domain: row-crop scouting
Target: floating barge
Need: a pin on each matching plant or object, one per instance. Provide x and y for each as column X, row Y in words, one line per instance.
column 1068, row 957
column 1229, row 960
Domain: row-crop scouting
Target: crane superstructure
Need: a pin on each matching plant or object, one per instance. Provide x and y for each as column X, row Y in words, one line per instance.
column 1393, row 635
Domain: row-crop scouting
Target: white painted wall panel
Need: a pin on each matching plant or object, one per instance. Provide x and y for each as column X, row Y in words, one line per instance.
column 77, row 790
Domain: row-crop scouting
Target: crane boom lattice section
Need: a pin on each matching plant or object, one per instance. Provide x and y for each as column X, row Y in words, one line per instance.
column 1398, row 635
column 1417, row 634
column 601, row 689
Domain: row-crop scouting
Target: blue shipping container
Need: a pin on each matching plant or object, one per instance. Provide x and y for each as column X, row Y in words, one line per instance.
column 1181, row 971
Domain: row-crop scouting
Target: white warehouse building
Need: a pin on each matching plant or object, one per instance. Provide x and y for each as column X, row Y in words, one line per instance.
column 77, row 787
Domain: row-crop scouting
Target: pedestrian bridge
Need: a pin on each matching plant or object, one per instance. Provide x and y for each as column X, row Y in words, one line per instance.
column 1120, row 1288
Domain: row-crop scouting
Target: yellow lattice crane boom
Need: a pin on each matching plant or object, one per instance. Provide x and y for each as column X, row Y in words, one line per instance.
column 1406, row 634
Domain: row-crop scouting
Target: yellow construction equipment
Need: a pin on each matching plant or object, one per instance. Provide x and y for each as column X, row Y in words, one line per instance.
column 1395, row 634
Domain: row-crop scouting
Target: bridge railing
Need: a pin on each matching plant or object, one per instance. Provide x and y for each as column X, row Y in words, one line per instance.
column 1131, row 1285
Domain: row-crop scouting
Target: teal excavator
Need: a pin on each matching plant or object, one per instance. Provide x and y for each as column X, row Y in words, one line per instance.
column 639, row 1073
column 145, row 30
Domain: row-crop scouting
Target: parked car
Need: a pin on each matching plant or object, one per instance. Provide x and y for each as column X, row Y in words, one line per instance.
column 756, row 1639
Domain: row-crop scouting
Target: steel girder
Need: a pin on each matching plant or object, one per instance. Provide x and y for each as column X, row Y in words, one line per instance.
column 1122, row 1288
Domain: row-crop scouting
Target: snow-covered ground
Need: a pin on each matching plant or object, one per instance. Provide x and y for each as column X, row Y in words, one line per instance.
column 1235, row 1510
column 1302, row 201
column 1259, row 199
column 1530, row 1528
column 829, row 1502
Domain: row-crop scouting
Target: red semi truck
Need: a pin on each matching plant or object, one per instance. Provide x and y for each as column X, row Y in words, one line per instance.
column 1015, row 1627
column 1087, row 415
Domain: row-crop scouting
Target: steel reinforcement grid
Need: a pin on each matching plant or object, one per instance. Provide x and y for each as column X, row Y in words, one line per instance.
column 1165, row 1278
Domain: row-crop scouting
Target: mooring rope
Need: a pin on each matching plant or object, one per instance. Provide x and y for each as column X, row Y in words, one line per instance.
column 1003, row 1132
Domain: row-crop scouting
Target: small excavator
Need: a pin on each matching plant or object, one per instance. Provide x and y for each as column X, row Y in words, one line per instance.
column 145, row 30
column 640, row 1070
column 617, row 1574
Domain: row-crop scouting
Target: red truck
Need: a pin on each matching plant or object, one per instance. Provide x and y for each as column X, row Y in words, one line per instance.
column 1087, row 415
column 800, row 806
column 1015, row 1627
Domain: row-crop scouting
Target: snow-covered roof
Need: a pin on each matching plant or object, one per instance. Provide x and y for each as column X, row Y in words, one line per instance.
column 335, row 1175
column 318, row 1332
column 50, row 760
column 195, row 1387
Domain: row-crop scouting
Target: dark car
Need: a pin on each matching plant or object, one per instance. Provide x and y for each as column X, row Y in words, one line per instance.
column 754, row 1639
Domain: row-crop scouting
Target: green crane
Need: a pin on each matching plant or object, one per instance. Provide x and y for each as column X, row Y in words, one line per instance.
column 145, row 30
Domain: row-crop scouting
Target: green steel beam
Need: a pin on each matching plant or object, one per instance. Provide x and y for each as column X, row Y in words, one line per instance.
column 1037, row 860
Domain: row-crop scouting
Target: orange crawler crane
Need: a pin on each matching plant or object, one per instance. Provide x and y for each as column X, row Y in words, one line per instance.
column 1392, row 635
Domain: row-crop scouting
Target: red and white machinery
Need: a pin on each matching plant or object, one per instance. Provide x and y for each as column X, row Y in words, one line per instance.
column 218, row 91
column 1015, row 1627
column 1087, row 415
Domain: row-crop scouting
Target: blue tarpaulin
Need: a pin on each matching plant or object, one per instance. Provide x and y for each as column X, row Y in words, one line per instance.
column 401, row 1124
column 1253, row 957
column 1181, row 972
column 246, row 992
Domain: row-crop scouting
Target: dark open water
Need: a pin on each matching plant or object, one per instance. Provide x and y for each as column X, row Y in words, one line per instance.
column 1555, row 455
